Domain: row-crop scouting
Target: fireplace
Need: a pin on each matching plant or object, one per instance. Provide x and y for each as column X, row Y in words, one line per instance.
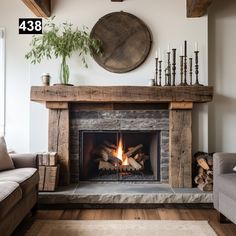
column 119, row 155
column 102, row 108
column 95, row 136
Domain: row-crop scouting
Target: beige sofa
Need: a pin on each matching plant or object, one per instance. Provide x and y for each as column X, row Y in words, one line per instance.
column 18, row 192
column 224, row 190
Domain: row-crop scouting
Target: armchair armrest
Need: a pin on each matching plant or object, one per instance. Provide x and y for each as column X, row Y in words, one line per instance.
column 24, row 160
column 223, row 163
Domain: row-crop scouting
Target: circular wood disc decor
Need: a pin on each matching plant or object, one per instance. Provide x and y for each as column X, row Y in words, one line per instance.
column 126, row 41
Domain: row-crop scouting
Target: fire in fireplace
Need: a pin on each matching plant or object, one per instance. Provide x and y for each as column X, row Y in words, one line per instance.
column 119, row 155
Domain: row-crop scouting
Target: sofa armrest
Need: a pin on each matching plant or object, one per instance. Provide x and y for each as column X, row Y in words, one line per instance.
column 223, row 163
column 24, row 160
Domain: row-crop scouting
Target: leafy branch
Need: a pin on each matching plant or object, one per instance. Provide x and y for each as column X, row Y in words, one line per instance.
column 60, row 42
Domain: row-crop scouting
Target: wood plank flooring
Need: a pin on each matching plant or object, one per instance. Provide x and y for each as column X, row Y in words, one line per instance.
column 131, row 214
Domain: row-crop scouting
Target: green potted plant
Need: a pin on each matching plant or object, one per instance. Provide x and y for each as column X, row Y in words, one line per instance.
column 60, row 42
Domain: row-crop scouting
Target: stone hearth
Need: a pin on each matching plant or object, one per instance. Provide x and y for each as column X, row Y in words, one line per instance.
column 120, row 193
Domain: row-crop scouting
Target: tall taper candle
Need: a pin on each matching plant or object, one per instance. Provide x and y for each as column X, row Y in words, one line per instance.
column 185, row 48
column 156, row 70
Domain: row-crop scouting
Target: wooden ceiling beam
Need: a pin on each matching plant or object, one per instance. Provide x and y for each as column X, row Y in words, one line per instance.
column 41, row 8
column 197, row 8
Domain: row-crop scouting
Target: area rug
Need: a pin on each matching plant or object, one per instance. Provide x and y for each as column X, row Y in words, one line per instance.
column 120, row 228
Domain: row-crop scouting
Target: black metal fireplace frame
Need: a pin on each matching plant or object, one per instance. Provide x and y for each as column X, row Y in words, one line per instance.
column 117, row 133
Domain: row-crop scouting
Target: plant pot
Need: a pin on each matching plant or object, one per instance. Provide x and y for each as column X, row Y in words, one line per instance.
column 61, row 84
column 45, row 79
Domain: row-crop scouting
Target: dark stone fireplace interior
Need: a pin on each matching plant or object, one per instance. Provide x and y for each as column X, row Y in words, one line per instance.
column 89, row 161
column 90, row 128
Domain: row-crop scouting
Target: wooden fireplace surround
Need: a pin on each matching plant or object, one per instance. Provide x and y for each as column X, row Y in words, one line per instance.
column 180, row 100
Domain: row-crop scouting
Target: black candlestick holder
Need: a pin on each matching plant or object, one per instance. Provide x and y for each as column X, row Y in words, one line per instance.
column 173, row 66
column 156, row 72
column 185, row 71
column 160, row 71
column 166, row 76
column 181, row 70
column 191, row 70
column 169, row 69
column 197, row 69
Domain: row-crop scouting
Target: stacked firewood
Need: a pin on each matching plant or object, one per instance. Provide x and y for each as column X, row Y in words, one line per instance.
column 105, row 154
column 204, row 177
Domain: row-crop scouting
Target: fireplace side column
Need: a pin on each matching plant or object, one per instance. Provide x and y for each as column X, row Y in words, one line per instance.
column 58, row 137
column 180, row 144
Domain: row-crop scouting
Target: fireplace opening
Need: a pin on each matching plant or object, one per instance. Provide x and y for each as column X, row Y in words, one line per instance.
column 119, row 155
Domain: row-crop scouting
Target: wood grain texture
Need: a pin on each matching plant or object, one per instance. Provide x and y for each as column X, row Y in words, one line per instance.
column 180, row 143
column 122, row 94
column 181, row 105
column 58, row 141
column 57, row 105
column 210, row 215
column 126, row 41
column 197, row 8
column 41, row 8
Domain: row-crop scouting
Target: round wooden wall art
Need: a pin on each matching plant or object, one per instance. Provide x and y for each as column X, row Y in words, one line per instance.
column 126, row 41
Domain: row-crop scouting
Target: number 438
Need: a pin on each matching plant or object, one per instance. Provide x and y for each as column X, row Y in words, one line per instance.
column 30, row 26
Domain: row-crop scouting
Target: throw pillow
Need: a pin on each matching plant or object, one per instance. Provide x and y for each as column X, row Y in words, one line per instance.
column 234, row 168
column 6, row 162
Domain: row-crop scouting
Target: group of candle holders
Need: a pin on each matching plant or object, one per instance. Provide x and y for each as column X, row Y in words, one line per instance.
column 170, row 70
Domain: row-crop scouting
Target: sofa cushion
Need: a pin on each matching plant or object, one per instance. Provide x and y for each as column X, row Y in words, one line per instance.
column 226, row 184
column 10, row 195
column 6, row 162
column 27, row 178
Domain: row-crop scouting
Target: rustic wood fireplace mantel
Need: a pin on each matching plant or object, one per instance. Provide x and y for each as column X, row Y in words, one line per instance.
column 180, row 100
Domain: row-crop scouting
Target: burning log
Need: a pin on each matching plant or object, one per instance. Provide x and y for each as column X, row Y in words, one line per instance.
column 139, row 157
column 109, row 159
column 106, row 154
column 103, row 165
column 134, row 150
column 134, row 164
column 114, row 160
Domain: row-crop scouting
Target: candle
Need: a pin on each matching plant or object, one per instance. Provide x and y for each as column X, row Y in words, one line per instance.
column 168, row 50
column 156, row 54
column 185, row 48
column 181, row 50
column 196, row 47
column 159, row 54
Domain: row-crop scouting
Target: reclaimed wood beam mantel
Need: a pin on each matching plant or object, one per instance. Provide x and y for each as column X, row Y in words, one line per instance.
column 121, row 94
column 41, row 8
column 197, row 8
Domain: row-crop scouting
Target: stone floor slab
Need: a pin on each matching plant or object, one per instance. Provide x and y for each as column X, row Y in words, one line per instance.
column 124, row 193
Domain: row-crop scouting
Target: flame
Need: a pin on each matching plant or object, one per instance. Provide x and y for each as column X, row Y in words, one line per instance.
column 120, row 154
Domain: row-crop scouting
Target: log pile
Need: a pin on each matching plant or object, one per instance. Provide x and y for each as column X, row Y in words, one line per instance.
column 204, row 175
column 105, row 155
column 48, row 171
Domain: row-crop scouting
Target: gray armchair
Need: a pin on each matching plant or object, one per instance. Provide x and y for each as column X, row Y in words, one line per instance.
column 224, row 190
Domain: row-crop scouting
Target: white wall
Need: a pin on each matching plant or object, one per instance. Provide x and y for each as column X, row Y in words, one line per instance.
column 222, row 59
column 168, row 24
column 17, row 76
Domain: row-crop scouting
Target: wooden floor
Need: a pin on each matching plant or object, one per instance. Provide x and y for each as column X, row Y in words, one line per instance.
column 131, row 214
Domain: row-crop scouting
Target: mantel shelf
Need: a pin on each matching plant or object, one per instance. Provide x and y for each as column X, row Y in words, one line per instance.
column 121, row 94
